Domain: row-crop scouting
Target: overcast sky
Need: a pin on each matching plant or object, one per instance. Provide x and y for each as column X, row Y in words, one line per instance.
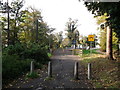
column 57, row 12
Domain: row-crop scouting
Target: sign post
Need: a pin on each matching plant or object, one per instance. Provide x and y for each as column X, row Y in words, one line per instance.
column 91, row 39
column 90, row 47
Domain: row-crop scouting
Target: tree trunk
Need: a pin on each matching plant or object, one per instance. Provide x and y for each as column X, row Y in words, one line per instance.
column 36, row 31
column 109, row 44
column 15, row 35
column 8, row 33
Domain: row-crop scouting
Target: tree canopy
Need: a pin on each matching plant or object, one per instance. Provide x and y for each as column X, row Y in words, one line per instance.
column 72, row 32
column 112, row 9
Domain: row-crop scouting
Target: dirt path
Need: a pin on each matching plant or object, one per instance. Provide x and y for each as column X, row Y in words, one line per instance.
column 62, row 63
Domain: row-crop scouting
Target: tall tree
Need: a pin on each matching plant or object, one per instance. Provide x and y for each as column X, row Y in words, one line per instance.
column 30, row 27
column 16, row 15
column 72, row 32
column 5, row 8
column 112, row 10
column 13, row 16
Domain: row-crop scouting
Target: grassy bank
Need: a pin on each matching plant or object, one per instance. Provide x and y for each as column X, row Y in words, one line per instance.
column 105, row 73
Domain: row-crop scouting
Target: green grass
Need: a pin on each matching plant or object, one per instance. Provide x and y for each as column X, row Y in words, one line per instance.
column 49, row 54
column 104, row 72
column 88, row 53
column 85, row 53
column 32, row 75
column 94, row 51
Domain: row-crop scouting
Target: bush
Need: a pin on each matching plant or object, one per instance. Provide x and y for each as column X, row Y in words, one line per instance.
column 17, row 58
column 36, row 52
column 14, row 49
column 30, row 51
column 12, row 67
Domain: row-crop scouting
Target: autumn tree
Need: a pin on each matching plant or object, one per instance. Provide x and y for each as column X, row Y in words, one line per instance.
column 26, row 26
column 59, row 38
column 16, row 15
column 72, row 32
column 13, row 19
column 102, row 31
column 65, row 42
column 99, row 8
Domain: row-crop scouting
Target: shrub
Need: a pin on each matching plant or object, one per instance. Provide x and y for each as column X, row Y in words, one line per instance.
column 30, row 51
column 12, row 67
column 17, row 58
column 14, row 49
column 36, row 52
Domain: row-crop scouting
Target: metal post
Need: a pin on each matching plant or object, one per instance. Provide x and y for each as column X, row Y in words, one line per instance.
column 31, row 67
column 49, row 69
column 89, row 70
column 8, row 34
column 90, row 47
column 76, row 71
column 0, row 58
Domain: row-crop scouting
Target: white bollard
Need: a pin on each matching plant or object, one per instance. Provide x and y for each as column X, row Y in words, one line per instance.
column 89, row 70
column 49, row 69
column 76, row 71
column 31, row 67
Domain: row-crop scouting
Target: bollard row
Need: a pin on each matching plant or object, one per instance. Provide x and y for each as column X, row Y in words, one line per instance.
column 75, row 70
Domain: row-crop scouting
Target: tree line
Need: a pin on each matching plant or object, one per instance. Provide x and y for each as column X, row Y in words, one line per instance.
column 25, row 37
column 110, row 14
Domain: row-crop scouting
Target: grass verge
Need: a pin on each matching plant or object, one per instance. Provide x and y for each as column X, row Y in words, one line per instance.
column 105, row 73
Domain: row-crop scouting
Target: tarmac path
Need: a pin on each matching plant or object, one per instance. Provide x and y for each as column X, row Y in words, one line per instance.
column 62, row 71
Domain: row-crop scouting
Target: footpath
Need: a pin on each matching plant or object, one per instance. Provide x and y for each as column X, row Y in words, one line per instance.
column 62, row 71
